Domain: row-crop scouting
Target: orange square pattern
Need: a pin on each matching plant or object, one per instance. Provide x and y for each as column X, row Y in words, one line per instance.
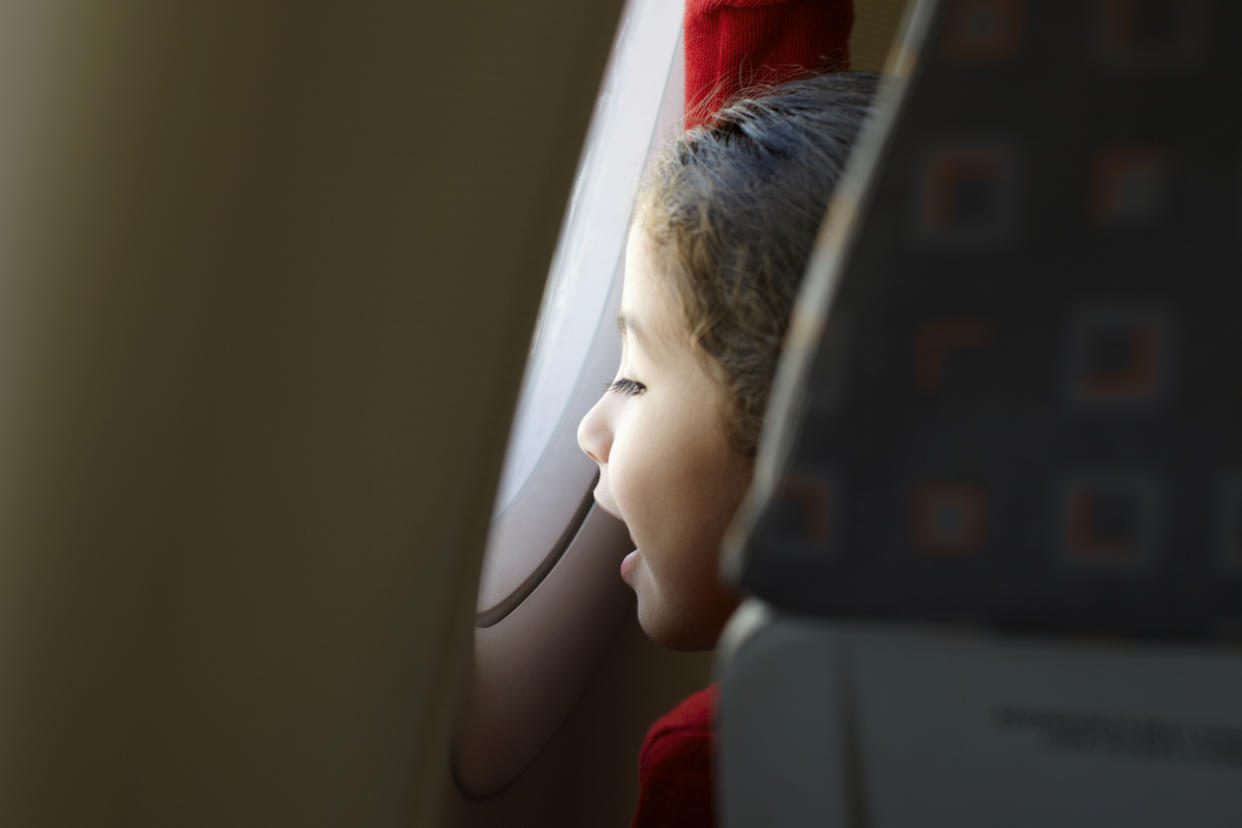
column 949, row 518
column 1129, row 186
column 983, row 30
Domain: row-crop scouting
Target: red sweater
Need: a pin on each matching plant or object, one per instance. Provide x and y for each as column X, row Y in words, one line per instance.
column 675, row 767
column 729, row 45
column 733, row 44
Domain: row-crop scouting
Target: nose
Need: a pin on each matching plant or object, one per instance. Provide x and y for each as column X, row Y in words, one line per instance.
column 595, row 432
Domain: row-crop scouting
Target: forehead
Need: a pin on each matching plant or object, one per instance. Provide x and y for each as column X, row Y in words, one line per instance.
column 651, row 311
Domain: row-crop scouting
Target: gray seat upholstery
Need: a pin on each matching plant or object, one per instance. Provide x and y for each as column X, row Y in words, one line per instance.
column 995, row 543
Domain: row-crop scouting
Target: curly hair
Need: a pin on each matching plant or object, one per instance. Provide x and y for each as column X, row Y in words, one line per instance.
column 732, row 207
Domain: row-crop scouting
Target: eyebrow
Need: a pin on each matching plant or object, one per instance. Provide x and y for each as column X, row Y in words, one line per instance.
column 626, row 325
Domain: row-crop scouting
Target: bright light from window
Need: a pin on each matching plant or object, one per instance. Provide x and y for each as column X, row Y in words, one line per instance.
column 631, row 116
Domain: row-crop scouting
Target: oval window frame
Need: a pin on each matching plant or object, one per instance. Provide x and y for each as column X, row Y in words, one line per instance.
column 537, row 517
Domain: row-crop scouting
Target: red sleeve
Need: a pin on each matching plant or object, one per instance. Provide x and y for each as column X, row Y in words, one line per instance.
column 675, row 767
column 732, row 44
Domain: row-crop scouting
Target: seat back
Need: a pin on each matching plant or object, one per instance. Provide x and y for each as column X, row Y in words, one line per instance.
column 995, row 539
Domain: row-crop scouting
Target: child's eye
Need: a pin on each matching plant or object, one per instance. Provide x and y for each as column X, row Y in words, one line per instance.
column 627, row 386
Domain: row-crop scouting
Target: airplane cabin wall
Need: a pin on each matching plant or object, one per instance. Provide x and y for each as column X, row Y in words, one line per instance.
column 268, row 278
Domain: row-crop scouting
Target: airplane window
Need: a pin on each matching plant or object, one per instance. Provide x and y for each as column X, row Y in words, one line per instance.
column 546, row 482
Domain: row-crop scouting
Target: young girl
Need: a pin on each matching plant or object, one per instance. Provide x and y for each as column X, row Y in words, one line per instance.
column 722, row 232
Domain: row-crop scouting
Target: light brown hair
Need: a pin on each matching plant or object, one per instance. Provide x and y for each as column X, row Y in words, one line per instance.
column 733, row 208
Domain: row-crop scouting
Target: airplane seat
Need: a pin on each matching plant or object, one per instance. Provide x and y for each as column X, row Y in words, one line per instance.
column 994, row 544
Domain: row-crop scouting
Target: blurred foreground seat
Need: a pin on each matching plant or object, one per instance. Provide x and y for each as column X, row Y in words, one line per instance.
column 995, row 542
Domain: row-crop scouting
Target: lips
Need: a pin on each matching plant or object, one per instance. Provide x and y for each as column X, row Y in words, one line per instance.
column 628, row 563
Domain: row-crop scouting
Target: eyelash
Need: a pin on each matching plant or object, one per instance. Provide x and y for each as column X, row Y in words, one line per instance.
column 626, row 386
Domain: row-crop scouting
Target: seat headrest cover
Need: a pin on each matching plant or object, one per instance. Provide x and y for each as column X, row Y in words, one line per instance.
column 1022, row 403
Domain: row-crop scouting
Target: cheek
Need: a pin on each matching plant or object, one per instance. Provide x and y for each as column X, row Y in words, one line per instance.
column 677, row 494
column 634, row 481
column 648, row 482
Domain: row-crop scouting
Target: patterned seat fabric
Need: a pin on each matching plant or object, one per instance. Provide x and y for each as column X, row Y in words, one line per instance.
column 1022, row 405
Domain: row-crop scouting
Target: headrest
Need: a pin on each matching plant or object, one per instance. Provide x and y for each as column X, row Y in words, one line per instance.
column 1013, row 388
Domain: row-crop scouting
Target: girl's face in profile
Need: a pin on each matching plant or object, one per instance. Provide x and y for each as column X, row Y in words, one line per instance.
column 665, row 465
